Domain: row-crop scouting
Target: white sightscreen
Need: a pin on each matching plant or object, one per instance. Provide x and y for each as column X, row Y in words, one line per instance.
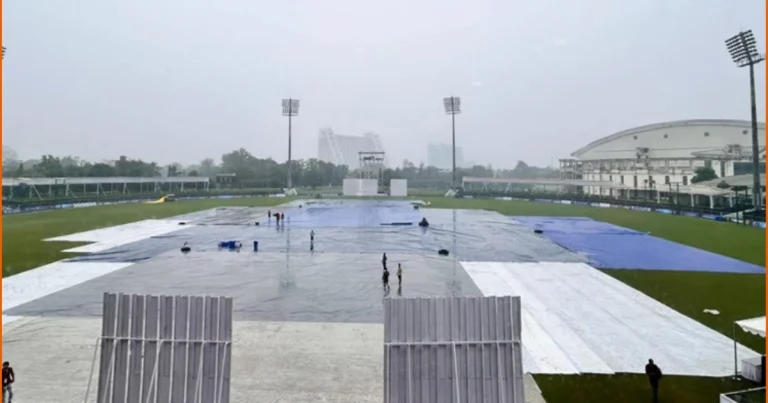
column 350, row 187
column 398, row 187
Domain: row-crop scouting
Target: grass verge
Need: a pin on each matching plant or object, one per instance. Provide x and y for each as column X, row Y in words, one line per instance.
column 629, row 388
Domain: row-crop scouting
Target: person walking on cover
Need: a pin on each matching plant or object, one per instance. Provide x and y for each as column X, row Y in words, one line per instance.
column 8, row 379
column 654, row 376
column 312, row 241
column 399, row 275
column 385, row 279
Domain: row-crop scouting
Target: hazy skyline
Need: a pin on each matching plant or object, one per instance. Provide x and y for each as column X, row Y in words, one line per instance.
column 181, row 81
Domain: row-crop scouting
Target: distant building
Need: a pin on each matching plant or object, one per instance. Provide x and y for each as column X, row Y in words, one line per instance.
column 441, row 156
column 661, row 158
column 343, row 150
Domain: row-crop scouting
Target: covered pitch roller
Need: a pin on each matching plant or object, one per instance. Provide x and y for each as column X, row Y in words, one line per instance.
column 231, row 245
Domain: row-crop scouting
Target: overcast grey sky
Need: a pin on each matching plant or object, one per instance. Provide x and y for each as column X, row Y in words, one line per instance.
column 175, row 80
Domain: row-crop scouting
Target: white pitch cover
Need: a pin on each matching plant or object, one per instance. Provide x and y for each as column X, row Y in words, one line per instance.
column 53, row 277
column 577, row 319
column 111, row 237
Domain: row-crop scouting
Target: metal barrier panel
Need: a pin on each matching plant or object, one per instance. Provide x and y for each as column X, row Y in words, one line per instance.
column 453, row 350
column 175, row 349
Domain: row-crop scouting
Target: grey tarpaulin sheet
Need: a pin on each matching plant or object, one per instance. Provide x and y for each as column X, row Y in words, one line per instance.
column 321, row 287
column 468, row 234
column 339, row 282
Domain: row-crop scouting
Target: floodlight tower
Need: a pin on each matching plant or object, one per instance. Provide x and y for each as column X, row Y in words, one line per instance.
column 743, row 50
column 3, row 52
column 290, row 109
column 453, row 107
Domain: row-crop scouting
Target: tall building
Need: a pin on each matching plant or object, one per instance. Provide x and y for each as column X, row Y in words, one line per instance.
column 343, row 150
column 441, row 156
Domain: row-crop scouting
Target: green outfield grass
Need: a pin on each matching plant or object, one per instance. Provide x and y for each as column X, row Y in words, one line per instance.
column 635, row 389
column 736, row 296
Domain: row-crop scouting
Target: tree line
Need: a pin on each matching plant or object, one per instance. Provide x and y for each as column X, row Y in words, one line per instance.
column 240, row 169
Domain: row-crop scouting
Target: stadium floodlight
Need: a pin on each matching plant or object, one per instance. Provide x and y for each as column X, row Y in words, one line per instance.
column 743, row 50
column 453, row 107
column 3, row 52
column 290, row 109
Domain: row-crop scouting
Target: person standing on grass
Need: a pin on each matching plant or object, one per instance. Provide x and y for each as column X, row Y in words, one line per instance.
column 654, row 376
column 384, row 261
column 8, row 379
column 312, row 241
column 399, row 275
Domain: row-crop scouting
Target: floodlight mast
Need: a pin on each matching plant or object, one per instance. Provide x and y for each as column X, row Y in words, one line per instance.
column 453, row 107
column 290, row 109
column 743, row 50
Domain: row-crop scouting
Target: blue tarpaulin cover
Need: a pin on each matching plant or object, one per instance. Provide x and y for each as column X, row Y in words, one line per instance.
column 609, row 246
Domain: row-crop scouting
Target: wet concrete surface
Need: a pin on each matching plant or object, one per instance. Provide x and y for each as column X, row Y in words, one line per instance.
column 271, row 361
column 306, row 287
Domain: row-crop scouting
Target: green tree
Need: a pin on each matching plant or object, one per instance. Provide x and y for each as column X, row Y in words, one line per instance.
column 703, row 174
column 208, row 167
column 49, row 166
column 100, row 170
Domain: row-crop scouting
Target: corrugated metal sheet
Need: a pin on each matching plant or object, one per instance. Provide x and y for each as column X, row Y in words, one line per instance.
column 165, row 349
column 440, row 350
